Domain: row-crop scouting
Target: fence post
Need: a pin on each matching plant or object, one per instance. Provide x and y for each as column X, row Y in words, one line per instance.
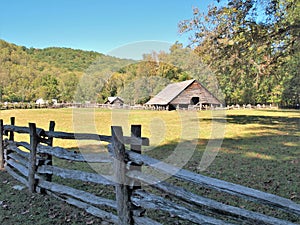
column 122, row 189
column 32, row 157
column 136, row 132
column 1, row 146
column 48, row 156
column 11, row 133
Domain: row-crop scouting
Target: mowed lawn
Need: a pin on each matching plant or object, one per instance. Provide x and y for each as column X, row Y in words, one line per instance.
column 255, row 148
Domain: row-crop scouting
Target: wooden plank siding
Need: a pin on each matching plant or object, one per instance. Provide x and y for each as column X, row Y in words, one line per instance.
column 181, row 95
column 195, row 90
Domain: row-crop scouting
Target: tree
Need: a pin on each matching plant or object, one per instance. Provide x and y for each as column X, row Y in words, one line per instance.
column 67, row 87
column 49, row 87
column 246, row 43
column 291, row 92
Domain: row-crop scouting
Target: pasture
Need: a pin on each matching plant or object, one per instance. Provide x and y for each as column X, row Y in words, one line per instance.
column 260, row 149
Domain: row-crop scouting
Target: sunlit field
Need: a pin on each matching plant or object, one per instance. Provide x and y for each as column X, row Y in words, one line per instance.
column 255, row 148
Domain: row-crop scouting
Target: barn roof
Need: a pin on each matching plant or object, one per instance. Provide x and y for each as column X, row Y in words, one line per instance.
column 169, row 93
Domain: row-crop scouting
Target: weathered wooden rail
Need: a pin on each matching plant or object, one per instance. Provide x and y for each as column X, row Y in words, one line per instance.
column 35, row 168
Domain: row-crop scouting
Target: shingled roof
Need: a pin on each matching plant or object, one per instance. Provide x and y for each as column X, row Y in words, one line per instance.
column 169, row 93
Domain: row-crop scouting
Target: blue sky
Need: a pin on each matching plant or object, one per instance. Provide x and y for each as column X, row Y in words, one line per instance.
column 96, row 25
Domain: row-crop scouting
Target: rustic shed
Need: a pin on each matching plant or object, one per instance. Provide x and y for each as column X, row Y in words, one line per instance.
column 115, row 101
column 186, row 94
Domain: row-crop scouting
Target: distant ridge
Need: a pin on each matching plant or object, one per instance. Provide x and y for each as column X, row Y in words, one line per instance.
column 27, row 74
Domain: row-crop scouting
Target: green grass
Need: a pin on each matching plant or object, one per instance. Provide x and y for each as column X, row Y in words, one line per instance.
column 260, row 149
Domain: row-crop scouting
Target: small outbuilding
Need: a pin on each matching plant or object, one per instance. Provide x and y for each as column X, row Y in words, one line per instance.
column 40, row 101
column 115, row 101
column 186, row 94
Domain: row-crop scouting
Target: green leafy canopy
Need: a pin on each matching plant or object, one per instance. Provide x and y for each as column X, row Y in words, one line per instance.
column 252, row 46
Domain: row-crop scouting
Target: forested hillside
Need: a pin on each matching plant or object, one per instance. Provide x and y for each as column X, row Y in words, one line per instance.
column 27, row 74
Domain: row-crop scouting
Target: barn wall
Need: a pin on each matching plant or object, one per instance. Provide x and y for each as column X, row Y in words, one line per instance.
column 194, row 90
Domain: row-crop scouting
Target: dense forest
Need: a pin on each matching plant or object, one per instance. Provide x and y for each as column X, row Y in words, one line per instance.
column 244, row 51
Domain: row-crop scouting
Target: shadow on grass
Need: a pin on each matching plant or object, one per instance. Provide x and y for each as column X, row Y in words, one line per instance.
column 263, row 120
column 267, row 162
column 267, row 158
column 252, row 119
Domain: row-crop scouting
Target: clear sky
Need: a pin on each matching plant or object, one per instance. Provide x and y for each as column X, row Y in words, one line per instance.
column 98, row 25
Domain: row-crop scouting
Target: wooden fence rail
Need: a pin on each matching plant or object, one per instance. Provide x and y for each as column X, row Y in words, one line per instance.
column 35, row 169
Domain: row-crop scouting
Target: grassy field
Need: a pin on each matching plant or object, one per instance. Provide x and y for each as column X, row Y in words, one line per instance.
column 260, row 149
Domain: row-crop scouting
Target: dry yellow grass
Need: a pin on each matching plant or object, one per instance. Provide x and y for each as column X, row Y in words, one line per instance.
column 260, row 148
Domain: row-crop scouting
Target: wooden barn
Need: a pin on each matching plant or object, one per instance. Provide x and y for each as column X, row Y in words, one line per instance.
column 115, row 101
column 186, row 94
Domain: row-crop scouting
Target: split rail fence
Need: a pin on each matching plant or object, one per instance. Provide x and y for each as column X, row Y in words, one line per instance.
column 35, row 169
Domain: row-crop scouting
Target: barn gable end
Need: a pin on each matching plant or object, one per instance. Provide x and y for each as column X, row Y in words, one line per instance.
column 193, row 90
column 184, row 94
